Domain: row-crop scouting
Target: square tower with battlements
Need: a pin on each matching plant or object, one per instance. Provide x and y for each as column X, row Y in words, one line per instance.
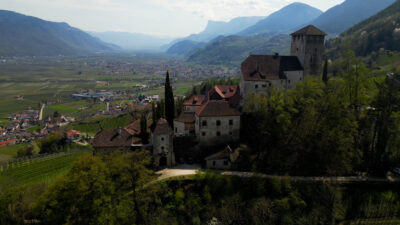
column 308, row 46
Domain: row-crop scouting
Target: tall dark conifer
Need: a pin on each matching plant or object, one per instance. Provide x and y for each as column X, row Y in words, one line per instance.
column 143, row 129
column 169, row 102
column 325, row 73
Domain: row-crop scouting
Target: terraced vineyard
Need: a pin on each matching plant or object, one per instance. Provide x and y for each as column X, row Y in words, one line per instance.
column 38, row 170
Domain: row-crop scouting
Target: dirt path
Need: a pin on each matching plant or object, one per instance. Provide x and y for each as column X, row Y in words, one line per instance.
column 184, row 170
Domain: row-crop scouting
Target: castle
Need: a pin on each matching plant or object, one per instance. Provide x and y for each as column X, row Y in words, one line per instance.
column 214, row 118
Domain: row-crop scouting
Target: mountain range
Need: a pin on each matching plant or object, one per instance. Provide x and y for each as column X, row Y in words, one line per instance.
column 379, row 32
column 286, row 19
column 334, row 21
column 341, row 17
column 30, row 36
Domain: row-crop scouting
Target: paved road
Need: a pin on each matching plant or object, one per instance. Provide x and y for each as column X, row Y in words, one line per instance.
column 183, row 170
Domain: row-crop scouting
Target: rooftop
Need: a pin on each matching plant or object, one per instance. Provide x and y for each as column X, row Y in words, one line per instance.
column 216, row 108
column 269, row 67
column 162, row 127
column 195, row 100
column 309, row 30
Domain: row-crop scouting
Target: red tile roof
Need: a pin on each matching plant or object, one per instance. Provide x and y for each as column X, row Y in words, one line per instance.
column 195, row 100
column 216, row 108
column 162, row 127
column 309, row 30
column 225, row 91
column 72, row 133
column 269, row 67
column 135, row 127
column 5, row 143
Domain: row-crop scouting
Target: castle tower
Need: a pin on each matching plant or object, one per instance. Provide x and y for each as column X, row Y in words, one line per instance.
column 162, row 140
column 308, row 46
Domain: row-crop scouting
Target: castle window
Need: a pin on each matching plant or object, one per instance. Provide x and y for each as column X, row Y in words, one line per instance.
column 176, row 130
column 230, row 133
column 218, row 134
column 230, row 122
column 256, row 86
column 203, row 134
column 204, row 123
column 214, row 163
column 289, row 81
column 270, row 84
column 264, row 86
column 162, row 148
column 297, row 49
column 218, row 123
column 226, row 163
column 162, row 139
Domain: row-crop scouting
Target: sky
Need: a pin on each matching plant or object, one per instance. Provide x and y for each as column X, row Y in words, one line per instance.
column 173, row 18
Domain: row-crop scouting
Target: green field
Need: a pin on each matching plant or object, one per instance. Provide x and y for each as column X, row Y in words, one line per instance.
column 9, row 152
column 38, row 170
column 52, row 81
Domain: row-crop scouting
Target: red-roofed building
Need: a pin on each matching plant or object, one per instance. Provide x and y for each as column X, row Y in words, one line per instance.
column 194, row 102
column 229, row 93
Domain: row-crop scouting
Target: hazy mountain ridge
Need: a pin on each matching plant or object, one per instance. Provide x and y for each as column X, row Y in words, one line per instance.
column 185, row 47
column 233, row 50
column 30, row 36
column 341, row 17
column 284, row 20
column 218, row 28
column 133, row 41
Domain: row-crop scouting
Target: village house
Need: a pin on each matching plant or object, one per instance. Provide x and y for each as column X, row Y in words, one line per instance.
column 120, row 139
column 216, row 123
column 223, row 160
column 184, row 125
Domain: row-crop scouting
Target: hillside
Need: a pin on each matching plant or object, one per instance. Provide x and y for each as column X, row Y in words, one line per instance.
column 29, row 36
column 133, row 41
column 184, row 47
column 341, row 17
column 233, row 50
column 381, row 31
column 284, row 20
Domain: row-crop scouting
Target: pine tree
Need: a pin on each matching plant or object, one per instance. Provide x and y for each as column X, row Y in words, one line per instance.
column 325, row 73
column 169, row 102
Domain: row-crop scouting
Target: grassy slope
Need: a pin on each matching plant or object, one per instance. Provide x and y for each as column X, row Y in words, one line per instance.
column 38, row 170
column 9, row 152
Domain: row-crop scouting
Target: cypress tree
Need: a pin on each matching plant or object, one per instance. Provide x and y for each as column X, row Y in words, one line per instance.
column 325, row 73
column 169, row 102
column 143, row 129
